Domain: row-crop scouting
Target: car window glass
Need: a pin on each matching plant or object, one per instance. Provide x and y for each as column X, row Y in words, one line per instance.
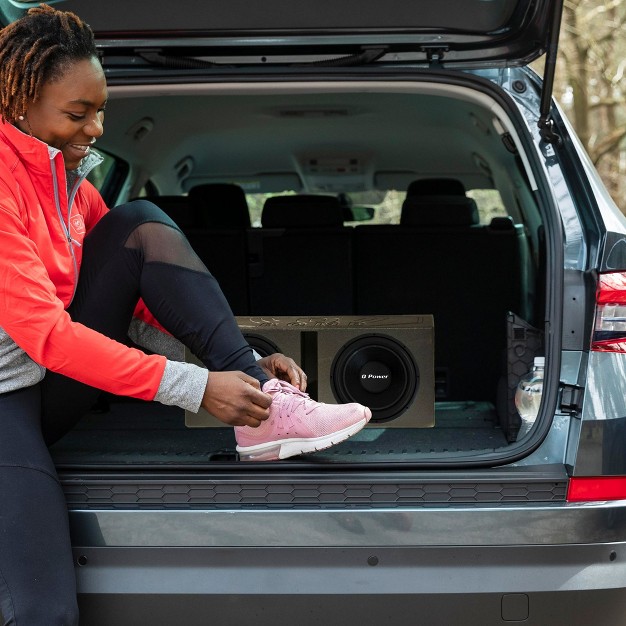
column 489, row 203
column 387, row 205
column 98, row 175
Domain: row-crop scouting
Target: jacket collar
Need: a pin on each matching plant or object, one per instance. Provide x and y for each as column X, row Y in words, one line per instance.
column 37, row 155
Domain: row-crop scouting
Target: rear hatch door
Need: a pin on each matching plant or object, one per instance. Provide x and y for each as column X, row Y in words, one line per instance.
column 493, row 32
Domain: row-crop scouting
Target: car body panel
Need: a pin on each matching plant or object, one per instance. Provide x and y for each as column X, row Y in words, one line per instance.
column 537, row 585
column 500, row 31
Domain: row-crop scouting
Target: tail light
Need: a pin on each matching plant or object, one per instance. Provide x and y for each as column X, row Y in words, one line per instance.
column 609, row 335
column 596, row 488
column 609, row 332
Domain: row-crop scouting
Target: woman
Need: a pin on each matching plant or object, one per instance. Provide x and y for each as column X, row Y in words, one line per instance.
column 75, row 280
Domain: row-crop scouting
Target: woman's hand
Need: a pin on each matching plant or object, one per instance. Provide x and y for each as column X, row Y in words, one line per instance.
column 236, row 399
column 284, row 368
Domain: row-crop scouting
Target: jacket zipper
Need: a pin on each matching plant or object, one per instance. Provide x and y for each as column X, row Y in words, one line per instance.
column 64, row 226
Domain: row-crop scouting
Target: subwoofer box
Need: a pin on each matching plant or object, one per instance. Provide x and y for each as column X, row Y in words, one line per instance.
column 384, row 362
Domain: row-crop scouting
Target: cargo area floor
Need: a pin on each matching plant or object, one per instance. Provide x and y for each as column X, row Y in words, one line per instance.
column 137, row 433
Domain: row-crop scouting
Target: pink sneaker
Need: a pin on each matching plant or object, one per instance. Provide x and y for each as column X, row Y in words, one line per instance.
column 297, row 425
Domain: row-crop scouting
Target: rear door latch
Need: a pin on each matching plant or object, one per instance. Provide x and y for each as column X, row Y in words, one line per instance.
column 434, row 54
column 571, row 399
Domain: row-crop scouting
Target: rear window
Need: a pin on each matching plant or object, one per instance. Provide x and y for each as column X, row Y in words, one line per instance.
column 489, row 203
column 387, row 205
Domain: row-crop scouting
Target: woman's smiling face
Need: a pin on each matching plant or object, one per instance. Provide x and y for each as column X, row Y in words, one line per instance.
column 69, row 112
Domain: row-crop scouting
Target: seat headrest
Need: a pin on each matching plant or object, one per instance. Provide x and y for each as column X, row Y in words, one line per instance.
column 439, row 211
column 220, row 205
column 436, row 187
column 302, row 211
column 177, row 207
column 502, row 223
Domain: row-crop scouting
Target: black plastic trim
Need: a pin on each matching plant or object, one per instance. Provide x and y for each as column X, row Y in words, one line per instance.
column 309, row 491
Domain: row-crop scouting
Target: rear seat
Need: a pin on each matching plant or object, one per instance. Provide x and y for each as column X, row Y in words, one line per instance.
column 214, row 217
column 438, row 187
column 429, row 264
column 220, row 206
column 303, row 261
column 176, row 207
column 219, row 238
column 301, row 258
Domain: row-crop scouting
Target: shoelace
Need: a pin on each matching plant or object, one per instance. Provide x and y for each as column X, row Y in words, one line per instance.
column 293, row 401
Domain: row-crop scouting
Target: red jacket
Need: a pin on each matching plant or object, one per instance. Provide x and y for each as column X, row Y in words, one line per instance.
column 39, row 267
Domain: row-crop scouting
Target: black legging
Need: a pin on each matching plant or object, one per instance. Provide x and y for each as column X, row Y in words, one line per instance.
column 134, row 251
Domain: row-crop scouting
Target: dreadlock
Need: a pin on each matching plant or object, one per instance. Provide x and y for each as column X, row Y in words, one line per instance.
column 37, row 49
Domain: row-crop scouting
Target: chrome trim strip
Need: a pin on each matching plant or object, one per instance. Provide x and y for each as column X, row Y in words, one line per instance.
column 488, row 526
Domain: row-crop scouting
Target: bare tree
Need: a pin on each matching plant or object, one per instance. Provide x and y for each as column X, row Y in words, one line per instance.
column 590, row 87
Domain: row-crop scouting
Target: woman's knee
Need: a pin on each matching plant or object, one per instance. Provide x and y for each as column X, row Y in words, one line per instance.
column 137, row 212
column 120, row 224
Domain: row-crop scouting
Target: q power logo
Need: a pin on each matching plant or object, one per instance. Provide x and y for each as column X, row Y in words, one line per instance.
column 375, row 377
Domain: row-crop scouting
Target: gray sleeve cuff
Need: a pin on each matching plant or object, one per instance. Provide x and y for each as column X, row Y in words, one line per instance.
column 159, row 342
column 182, row 385
column 155, row 340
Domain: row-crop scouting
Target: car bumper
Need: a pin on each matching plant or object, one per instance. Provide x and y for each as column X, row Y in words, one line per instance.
column 546, row 565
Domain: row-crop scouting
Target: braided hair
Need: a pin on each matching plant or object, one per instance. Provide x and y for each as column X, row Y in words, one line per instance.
column 37, row 49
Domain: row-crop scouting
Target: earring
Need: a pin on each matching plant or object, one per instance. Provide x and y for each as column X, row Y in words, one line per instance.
column 20, row 118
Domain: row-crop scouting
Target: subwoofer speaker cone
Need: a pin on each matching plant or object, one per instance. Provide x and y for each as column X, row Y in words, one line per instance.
column 385, row 362
column 261, row 344
column 377, row 371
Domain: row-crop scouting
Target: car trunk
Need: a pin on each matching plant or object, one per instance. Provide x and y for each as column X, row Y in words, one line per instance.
column 452, row 306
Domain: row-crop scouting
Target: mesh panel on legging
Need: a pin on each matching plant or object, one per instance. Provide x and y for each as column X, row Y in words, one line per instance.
column 160, row 243
column 184, row 296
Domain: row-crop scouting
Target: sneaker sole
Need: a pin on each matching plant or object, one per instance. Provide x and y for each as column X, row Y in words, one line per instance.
column 277, row 450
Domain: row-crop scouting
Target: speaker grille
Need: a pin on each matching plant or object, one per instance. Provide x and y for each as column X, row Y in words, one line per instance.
column 377, row 371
